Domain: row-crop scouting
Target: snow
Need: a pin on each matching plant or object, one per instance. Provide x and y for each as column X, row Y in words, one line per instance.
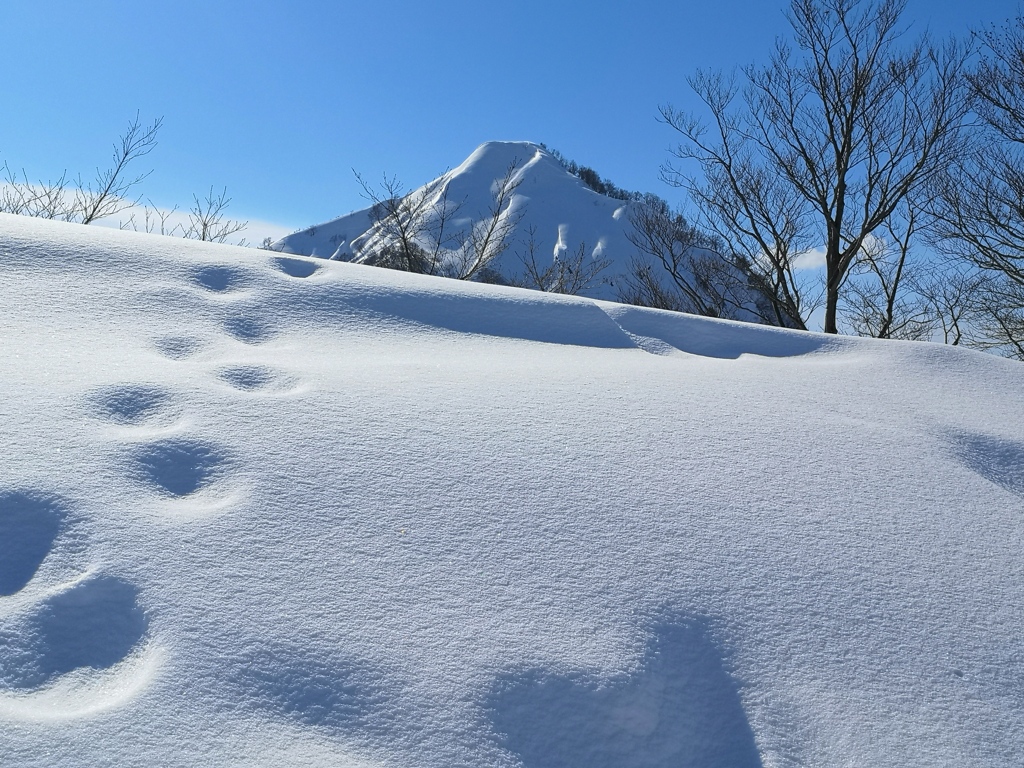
column 560, row 210
column 278, row 511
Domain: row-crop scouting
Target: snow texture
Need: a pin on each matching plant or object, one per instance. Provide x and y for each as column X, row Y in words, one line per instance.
column 260, row 510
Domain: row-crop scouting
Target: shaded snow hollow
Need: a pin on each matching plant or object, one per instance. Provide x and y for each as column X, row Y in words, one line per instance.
column 266, row 510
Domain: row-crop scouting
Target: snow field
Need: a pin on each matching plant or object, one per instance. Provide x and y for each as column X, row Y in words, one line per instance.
column 258, row 509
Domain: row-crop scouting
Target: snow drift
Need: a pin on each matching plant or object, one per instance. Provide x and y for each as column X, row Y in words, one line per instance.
column 270, row 510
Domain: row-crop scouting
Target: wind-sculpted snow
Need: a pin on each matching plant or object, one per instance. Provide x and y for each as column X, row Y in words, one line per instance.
column 559, row 321
column 256, row 513
column 712, row 338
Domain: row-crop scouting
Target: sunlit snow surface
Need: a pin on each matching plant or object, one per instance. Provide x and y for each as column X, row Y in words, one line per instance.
column 272, row 511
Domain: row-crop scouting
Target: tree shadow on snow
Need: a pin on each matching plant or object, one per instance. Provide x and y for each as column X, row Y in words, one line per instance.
column 998, row 461
column 681, row 708
column 332, row 694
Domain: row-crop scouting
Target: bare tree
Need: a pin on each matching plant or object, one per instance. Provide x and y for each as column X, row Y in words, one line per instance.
column 490, row 237
column 881, row 297
column 413, row 232
column 109, row 193
column 405, row 225
column 953, row 292
column 207, row 219
column 44, row 200
column 569, row 272
column 825, row 143
column 980, row 199
column 702, row 279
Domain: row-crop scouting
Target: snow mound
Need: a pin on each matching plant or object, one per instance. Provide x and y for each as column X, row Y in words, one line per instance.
column 270, row 510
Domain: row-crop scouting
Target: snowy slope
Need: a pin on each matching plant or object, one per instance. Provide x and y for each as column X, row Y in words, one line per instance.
column 267, row 510
column 560, row 210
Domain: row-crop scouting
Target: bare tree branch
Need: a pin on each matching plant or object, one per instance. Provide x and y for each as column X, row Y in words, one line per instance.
column 820, row 146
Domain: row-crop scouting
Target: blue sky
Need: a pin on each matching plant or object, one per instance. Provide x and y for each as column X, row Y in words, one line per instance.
column 278, row 101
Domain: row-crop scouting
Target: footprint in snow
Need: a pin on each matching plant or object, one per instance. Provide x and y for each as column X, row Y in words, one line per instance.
column 178, row 347
column 29, row 525
column 301, row 268
column 220, row 279
column 178, row 467
column 247, row 329
column 130, row 404
column 94, row 624
column 255, row 378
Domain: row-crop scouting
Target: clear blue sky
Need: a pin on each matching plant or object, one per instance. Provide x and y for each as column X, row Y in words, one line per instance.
column 278, row 101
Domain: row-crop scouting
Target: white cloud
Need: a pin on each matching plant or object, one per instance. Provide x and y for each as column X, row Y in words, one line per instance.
column 810, row 260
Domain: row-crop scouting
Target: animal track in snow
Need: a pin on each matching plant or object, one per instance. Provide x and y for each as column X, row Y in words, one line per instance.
column 96, row 624
column 67, row 650
column 179, row 467
column 296, row 267
column 130, row 404
column 178, row 347
column 255, row 378
column 220, row 279
column 29, row 524
column 247, row 329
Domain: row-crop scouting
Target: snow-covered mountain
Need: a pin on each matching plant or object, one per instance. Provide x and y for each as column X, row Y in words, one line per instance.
column 561, row 210
column 552, row 219
column 267, row 510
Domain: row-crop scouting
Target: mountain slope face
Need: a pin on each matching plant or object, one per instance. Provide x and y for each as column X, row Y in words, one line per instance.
column 553, row 219
column 267, row 510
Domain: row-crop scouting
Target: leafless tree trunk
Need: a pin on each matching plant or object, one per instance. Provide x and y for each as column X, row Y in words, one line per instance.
column 704, row 278
column 570, row 272
column 491, row 237
column 411, row 231
column 109, row 193
column 207, row 220
column 826, row 142
column 403, row 222
column 980, row 199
